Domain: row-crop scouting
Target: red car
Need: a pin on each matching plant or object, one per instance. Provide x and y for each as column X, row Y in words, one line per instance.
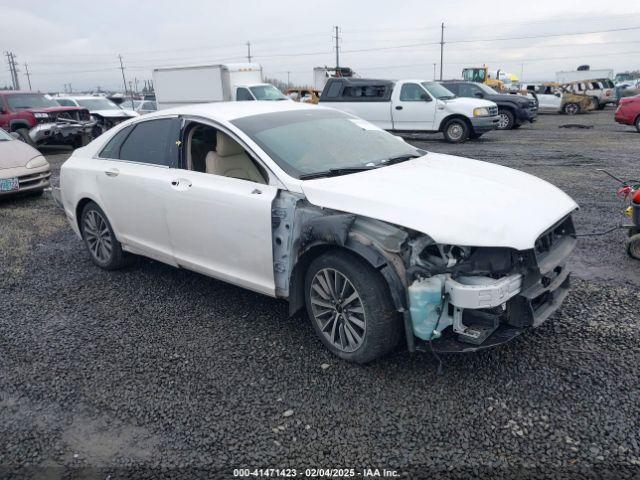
column 39, row 120
column 628, row 111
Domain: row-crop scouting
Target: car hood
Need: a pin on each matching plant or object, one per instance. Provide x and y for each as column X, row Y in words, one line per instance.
column 115, row 113
column 465, row 102
column 499, row 97
column 454, row 200
column 14, row 153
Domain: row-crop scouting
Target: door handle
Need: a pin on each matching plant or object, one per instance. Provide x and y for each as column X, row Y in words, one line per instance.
column 181, row 182
column 399, row 107
column 112, row 172
column 256, row 191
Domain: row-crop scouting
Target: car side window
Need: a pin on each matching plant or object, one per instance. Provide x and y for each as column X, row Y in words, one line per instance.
column 112, row 149
column 65, row 103
column 153, row 142
column 453, row 87
column 243, row 94
column 411, row 92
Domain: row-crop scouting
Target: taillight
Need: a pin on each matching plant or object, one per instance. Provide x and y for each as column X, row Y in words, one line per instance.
column 636, row 197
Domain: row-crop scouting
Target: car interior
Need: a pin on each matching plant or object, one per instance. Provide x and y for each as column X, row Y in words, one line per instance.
column 209, row 150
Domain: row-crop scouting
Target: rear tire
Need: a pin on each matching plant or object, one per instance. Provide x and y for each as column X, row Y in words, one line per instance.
column 350, row 307
column 24, row 136
column 638, row 124
column 506, row 120
column 456, row 130
column 99, row 239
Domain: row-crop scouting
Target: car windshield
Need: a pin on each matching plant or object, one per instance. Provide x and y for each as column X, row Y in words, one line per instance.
column 305, row 142
column 267, row 92
column 30, row 100
column 98, row 104
column 4, row 136
column 486, row 89
column 438, row 91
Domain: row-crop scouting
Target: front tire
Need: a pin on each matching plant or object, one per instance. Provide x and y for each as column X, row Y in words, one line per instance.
column 350, row 307
column 506, row 120
column 571, row 109
column 456, row 130
column 99, row 239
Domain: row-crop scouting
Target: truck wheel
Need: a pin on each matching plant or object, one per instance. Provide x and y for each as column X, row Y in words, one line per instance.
column 456, row 130
column 24, row 136
column 633, row 246
column 506, row 120
column 638, row 124
column 571, row 109
column 350, row 307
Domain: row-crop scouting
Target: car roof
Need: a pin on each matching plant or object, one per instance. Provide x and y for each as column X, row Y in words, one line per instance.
column 233, row 110
column 84, row 97
column 19, row 92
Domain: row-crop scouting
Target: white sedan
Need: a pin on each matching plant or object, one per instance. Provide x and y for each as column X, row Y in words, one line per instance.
column 379, row 241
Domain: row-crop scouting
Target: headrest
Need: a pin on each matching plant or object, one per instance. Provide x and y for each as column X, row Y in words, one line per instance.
column 226, row 146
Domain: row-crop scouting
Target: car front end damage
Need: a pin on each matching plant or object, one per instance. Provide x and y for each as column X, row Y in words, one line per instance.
column 451, row 298
column 65, row 127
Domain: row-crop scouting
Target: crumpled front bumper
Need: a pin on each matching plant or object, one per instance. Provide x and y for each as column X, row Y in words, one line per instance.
column 44, row 132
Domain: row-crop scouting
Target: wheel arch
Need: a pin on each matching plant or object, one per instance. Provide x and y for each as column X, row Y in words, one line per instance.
column 453, row 116
column 358, row 251
column 17, row 124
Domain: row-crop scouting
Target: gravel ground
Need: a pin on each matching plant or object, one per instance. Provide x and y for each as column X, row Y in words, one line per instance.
column 154, row 372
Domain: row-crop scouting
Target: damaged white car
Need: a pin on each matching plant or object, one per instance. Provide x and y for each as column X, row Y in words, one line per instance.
column 379, row 241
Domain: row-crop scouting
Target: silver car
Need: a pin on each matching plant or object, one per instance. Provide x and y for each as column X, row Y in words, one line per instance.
column 22, row 167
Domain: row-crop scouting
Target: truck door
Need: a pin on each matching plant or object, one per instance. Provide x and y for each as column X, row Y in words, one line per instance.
column 412, row 108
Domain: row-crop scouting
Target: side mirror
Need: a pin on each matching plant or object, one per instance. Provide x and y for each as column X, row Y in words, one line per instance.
column 478, row 95
column 425, row 97
column 558, row 95
column 15, row 135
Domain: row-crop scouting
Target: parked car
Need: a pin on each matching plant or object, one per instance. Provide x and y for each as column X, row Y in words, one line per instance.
column 22, row 167
column 330, row 212
column 412, row 106
column 40, row 120
column 513, row 110
column 628, row 111
column 141, row 107
column 553, row 98
column 104, row 112
column 304, row 95
column 601, row 91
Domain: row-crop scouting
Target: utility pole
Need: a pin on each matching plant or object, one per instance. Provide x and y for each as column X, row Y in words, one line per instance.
column 249, row 52
column 135, row 81
column 288, row 79
column 11, row 60
column 441, row 48
column 337, row 38
column 26, row 71
column 124, row 80
column 434, row 71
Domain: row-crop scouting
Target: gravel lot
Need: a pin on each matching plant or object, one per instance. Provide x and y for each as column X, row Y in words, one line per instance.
column 154, row 372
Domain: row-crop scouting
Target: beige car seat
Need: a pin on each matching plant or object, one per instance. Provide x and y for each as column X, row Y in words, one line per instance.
column 230, row 160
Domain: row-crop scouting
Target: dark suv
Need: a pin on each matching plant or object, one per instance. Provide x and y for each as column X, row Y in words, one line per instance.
column 513, row 110
column 39, row 120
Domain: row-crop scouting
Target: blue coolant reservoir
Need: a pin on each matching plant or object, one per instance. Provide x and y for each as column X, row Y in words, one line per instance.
column 425, row 302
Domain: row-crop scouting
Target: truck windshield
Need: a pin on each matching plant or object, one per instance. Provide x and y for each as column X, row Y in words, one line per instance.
column 304, row 142
column 438, row 91
column 267, row 92
column 98, row 104
column 23, row 101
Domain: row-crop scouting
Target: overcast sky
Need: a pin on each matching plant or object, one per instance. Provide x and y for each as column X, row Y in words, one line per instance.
column 78, row 42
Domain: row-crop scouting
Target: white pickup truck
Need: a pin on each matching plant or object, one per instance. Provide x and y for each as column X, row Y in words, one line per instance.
column 412, row 106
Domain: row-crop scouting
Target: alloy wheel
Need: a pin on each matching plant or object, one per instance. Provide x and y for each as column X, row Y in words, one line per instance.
column 338, row 310
column 572, row 109
column 98, row 236
column 503, row 121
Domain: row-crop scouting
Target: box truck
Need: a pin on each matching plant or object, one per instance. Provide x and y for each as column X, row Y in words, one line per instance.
column 176, row 86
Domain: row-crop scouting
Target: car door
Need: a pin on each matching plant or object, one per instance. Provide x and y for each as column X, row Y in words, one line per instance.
column 412, row 108
column 134, row 179
column 221, row 226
